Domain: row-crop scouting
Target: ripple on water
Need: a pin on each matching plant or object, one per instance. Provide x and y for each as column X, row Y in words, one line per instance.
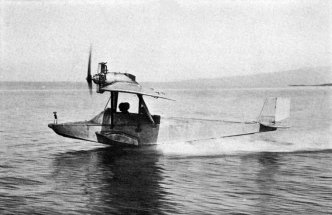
column 286, row 172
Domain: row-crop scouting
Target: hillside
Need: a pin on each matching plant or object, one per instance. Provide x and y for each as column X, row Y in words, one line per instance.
column 321, row 76
column 308, row 76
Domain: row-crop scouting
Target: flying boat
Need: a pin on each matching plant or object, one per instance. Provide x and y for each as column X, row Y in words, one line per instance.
column 117, row 127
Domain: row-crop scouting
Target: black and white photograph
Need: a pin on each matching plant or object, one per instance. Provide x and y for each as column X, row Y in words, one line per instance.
column 150, row 107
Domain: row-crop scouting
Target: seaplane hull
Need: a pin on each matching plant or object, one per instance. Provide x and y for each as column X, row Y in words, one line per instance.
column 124, row 130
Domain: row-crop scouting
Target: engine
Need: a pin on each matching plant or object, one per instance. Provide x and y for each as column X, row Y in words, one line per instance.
column 104, row 78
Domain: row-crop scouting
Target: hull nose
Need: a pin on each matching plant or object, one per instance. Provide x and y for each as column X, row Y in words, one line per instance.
column 76, row 130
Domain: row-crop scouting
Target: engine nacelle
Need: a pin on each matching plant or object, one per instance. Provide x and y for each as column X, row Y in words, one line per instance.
column 104, row 78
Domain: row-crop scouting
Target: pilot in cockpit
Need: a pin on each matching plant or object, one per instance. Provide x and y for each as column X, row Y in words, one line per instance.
column 124, row 107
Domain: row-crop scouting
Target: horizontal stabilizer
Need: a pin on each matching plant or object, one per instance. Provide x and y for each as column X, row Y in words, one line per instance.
column 275, row 114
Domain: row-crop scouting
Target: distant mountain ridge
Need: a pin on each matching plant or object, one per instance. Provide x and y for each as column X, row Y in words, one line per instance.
column 320, row 76
column 307, row 76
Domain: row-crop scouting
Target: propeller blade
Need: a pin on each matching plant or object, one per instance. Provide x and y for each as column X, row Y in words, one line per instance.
column 89, row 77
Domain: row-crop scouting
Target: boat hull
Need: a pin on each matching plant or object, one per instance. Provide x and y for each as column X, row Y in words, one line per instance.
column 145, row 134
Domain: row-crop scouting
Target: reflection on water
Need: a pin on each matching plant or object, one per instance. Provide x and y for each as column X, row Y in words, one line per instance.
column 118, row 182
column 126, row 182
column 265, row 180
column 103, row 181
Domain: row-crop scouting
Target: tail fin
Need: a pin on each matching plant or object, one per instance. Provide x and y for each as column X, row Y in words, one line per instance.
column 274, row 114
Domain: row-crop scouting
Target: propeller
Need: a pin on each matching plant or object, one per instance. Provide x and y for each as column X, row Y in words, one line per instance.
column 89, row 77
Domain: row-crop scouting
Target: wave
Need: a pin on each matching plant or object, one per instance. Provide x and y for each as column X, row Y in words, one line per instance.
column 247, row 144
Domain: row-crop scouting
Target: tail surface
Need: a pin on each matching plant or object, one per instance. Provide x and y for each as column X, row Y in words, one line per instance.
column 275, row 114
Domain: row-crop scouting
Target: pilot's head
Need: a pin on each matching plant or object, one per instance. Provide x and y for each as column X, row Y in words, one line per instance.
column 124, row 107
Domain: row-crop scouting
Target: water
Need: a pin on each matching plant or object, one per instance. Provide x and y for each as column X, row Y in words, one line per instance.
column 283, row 172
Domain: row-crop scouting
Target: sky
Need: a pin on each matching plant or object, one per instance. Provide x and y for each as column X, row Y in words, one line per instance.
column 163, row 40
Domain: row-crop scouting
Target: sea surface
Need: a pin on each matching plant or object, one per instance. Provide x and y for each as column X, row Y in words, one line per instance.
column 288, row 171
